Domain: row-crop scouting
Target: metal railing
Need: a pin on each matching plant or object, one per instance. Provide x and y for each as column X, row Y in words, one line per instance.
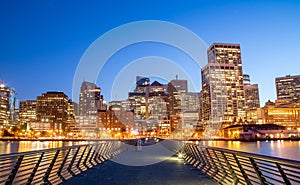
column 53, row 166
column 234, row 167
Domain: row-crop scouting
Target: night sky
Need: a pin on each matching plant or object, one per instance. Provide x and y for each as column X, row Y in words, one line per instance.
column 42, row 42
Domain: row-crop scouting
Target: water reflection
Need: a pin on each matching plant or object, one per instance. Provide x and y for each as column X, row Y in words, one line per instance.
column 280, row 148
column 7, row 147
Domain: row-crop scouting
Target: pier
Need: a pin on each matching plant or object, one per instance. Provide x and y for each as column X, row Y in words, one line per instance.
column 160, row 162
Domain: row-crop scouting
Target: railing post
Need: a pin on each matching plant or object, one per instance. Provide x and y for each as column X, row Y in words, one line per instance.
column 14, row 171
column 72, row 162
column 62, row 166
column 100, row 153
column 87, row 156
column 203, row 159
column 283, row 175
column 197, row 160
column 235, row 179
column 46, row 176
column 80, row 159
column 242, row 169
column 208, row 159
column 222, row 167
column 93, row 154
column 213, row 162
column 29, row 181
column 257, row 170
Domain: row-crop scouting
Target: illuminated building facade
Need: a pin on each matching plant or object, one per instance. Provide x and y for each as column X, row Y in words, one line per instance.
column 148, row 101
column 71, row 112
column 52, row 107
column 137, row 102
column 27, row 112
column 157, row 97
column 222, row 84
column 90, row 100
column 251, row 94
column 115, row 121
column 7, row 106
column 176, row 89
column 288, row 88
column 288, row 116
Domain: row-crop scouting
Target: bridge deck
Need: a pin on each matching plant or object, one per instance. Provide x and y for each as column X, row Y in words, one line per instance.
column 169, row 171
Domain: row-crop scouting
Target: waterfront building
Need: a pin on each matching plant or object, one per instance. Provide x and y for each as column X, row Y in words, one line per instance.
column 287, row 115
column 7, row 106
column 85, row 126
column 288, row 88
column 115, row 122
column 222, row 84
column 52, row 107
column 257, row 131
column 284, row 116
column 27, row 112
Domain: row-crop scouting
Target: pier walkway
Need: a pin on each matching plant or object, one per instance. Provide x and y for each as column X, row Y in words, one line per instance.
column 152, row 162
column 171, row 171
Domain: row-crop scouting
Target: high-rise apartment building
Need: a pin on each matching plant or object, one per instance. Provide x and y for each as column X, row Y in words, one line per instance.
column 251, row 94
column 222, row 84
column 52, row 107
column 27, row 112
column 288, row 88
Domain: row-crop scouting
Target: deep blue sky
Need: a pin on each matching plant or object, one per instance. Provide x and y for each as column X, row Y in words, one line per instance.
column 41, row 42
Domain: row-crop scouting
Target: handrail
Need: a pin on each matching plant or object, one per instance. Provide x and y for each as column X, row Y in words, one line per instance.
column 55, row 165
column 265, row 157
column 236, row 167
column 42, row 150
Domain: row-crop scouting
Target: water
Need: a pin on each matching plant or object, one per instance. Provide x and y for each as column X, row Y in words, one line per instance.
column 280, row 148
column 7, row 147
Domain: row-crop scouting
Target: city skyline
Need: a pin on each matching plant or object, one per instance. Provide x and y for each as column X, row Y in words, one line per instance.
column 42, row 43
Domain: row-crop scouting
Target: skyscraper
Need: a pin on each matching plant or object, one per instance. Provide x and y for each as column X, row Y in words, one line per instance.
column 52, row 107
column 4, row 102
column 251, row 94
column 222, row 83
column 157, row 98
column 27, row 112
column 288, row 88
column 7, row 106
column 176, row 89
column 89, row 100
column 148, row 101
